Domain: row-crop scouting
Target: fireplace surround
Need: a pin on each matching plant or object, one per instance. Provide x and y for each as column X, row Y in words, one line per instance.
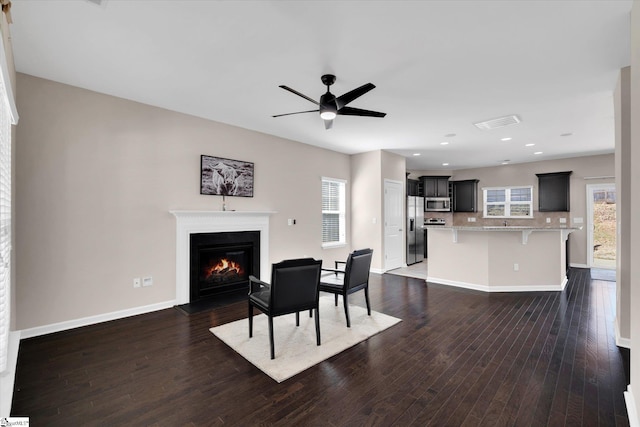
column 196, row 222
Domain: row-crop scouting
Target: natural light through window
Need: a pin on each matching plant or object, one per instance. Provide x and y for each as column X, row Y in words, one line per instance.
column 333, row 212
column 5, row 222
column 508, row 202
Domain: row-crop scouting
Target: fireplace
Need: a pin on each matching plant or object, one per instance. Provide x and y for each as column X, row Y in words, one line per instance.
column 221, row 263
column 202, row 222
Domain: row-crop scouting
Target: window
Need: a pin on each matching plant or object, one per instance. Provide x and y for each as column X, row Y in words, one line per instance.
column 508, row 202
column 333, row 212
column 8, row 116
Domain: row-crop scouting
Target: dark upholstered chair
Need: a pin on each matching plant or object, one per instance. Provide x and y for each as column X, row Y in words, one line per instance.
column 293, row 288
column 353, row 278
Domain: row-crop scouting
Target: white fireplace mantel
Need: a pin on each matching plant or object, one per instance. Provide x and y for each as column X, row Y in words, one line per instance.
column 192, row 222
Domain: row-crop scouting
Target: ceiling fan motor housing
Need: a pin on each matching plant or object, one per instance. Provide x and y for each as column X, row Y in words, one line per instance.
column 328, row 104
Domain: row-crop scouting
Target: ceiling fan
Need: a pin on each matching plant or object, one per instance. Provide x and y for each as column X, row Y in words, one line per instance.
column 330, row 105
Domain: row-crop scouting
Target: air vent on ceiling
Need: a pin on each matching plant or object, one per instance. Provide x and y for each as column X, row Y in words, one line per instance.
column 498, row 123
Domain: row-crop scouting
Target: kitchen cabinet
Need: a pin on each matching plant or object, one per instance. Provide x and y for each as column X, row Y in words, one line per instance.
column 465, row 195
column 553, row 191
column 413, row 187
column 435, row 186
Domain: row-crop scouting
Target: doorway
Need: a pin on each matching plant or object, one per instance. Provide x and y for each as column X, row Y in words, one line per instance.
column 601, row 226
column 393, row 224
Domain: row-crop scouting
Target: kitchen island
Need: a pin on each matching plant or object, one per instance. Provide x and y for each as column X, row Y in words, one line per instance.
column 499, row 258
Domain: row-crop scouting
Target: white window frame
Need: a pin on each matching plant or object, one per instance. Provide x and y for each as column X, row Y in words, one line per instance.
column 507, row 202
column 9, row 116
column 341, row 212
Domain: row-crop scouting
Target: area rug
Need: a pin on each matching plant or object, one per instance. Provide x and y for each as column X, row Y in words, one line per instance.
column 295, row 347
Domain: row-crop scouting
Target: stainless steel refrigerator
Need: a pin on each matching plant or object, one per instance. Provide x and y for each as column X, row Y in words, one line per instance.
column 415, row 232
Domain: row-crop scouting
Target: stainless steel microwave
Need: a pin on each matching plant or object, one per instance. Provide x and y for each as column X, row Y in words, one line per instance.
column 437, row 204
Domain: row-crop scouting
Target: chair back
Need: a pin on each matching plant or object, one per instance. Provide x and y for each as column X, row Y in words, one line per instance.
column 294, row 285
column 357, row 269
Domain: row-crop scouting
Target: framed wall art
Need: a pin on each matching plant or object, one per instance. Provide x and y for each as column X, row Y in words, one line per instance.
column 225, row 177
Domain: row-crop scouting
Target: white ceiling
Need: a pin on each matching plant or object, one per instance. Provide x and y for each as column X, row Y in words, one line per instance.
column 439, row 67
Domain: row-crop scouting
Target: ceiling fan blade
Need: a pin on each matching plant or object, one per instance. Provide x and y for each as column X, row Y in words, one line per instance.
column 328, row 124
column 343, row 100
column 299, row 94
column 349, row 111
column 298, row 112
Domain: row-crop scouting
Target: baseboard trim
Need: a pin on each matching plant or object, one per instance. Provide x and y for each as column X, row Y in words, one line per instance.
column 7, row 378
column 632, row 411
column 92, row 320
column 621, row 342
column 576, row 265
column 377, row 270
column 489, row 289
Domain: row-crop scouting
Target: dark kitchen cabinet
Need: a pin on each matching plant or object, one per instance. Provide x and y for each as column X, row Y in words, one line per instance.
column 413, row 187
column 465, row 195
column 435, row 186
column 553, row 191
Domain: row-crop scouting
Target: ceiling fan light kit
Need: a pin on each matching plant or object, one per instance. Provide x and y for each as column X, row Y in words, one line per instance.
column 329, row 106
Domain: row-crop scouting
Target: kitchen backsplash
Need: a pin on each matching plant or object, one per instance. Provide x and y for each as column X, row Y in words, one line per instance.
column 461, row 219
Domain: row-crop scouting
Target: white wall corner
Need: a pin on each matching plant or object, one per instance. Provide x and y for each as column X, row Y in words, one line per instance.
column 632, row 411
column 7, row 378
column 620, row 341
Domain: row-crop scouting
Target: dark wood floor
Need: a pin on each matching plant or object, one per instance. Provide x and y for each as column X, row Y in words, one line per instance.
column 457, row 358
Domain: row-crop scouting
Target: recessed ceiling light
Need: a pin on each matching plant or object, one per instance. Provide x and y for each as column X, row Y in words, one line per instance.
column 505, row 162
column 444, row 143
column 529, row 145
column 537, row 152
column 566, row 134
column 506, row 139
column 450, row 135
column 445, row 164
column 416, row 154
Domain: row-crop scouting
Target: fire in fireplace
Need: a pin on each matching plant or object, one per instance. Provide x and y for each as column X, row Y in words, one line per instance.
column 223, row 262
column 220, row 267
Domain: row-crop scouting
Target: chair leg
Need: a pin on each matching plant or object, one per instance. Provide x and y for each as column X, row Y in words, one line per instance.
column 346, row 310
column 317, row 327
column 310, row 314
column 297, row 318
column 366, row 297
column 250, row 320
column 273, row 352
column 336, row 298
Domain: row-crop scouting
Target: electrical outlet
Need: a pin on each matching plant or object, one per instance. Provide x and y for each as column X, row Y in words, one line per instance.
column 516, row 267
column 147, row 281
column 136, row 282
column 563, row 220
column 548, row 220
column 577, row 220
column 471, row 219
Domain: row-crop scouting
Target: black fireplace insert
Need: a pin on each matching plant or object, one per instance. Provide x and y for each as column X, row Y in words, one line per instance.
column 221, row 263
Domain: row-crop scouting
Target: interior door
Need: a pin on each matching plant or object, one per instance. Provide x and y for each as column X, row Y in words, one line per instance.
column 394, row 202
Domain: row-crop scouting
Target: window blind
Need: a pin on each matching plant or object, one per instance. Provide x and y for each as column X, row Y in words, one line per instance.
column 333, row 211
column 5, row 223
